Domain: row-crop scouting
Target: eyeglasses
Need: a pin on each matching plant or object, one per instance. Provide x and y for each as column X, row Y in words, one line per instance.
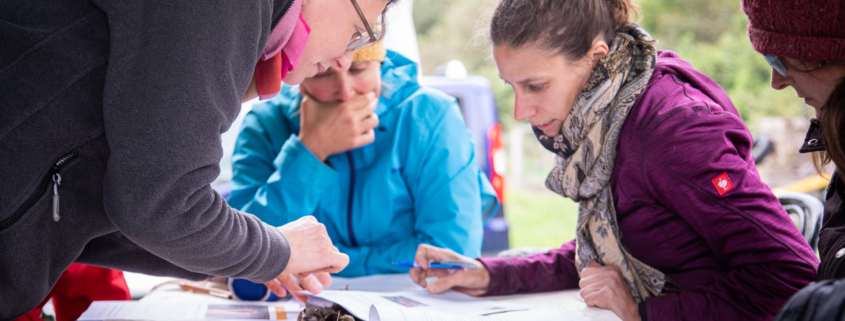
column 776, row 63
column 360, row 41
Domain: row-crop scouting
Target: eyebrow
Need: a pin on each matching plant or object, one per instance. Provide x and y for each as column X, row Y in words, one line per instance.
column 528, row 80
column 524, row 81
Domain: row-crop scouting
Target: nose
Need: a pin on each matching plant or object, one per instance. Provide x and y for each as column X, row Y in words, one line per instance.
column 344, row 89
column 342, row 62
column 522, row 110
column 779, row 82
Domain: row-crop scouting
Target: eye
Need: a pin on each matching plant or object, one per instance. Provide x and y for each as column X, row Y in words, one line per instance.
column 356, row 35
column 355, row 71
column 536, row 87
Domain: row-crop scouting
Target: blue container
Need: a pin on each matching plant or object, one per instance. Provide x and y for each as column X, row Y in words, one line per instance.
column 245, row 290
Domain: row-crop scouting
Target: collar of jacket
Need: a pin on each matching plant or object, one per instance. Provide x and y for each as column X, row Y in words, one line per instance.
column 813, row 141
column 280, row 8
column 399, row 80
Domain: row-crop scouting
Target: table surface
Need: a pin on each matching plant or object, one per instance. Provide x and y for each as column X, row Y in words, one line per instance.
column 553, row 305
column 548, row 305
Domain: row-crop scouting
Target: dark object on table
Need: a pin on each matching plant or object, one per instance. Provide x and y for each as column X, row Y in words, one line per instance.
column 333, row 313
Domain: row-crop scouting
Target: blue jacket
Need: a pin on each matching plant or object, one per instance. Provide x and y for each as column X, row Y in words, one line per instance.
column 418, row 182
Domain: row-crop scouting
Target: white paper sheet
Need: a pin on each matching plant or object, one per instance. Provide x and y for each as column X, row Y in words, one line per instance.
column 375, row 283
column 450, row 302
column 380, row 312
column 156, row 310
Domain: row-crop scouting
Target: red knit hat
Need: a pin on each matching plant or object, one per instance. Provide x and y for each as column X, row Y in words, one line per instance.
column 801, row 29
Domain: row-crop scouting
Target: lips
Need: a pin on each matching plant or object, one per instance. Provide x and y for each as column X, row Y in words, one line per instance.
column 545, row 126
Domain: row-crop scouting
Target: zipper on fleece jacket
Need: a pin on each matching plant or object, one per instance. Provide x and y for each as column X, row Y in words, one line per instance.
column 349, row 201
column 279, row 12
column 52, row 174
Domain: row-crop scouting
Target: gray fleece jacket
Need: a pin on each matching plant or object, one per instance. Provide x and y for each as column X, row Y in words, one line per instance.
column 122, row 103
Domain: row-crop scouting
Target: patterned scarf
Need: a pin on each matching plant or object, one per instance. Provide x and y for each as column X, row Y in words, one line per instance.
column 586, row 150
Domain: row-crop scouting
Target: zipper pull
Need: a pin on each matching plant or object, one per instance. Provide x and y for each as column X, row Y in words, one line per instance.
column 57, row 179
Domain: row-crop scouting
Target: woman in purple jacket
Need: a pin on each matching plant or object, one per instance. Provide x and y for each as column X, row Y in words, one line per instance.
column 653, row 151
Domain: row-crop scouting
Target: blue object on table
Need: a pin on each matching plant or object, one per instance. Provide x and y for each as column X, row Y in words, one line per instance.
column 246, row 290
column 456, row 265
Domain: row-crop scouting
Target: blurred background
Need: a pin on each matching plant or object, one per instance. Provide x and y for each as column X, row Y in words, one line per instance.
column 710, row 34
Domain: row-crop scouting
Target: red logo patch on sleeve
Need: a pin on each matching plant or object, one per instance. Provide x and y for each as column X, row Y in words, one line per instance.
column 722, row 183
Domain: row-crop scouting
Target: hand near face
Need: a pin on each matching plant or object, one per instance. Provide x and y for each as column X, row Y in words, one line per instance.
column 471, row 282
column 336, row 127
column 604, row 287
column 312, row 258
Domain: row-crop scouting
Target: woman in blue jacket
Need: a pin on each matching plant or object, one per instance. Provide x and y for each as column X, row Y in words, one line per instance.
column 413, row 180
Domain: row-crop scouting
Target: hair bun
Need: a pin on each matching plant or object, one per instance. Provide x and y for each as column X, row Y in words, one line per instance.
column 621, row 11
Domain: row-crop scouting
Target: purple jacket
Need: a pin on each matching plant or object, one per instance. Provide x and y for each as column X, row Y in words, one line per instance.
column 736, row 255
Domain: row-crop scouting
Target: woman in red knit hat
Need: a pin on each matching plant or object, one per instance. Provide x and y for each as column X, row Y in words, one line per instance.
column 804, row 41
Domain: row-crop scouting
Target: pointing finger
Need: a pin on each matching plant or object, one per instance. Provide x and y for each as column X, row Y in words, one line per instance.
column 276, row 287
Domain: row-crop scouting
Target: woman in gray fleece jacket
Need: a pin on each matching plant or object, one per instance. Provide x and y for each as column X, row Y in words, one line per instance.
column 110, row 122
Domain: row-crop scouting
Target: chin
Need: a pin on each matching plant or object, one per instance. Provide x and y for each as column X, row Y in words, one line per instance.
column 294, row 77
column 554, row 131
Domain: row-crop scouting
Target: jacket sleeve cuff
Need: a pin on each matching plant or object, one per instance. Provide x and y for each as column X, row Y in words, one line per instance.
column 278, row 259
column 500, row 273
column 668, row 306
column 299, row 166
column 642, row 308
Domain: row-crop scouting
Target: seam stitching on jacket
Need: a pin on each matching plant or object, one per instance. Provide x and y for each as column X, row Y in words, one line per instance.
column 45, row 41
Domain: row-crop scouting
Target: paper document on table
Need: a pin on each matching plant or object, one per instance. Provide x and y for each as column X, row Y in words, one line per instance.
column 375, row 283
column 380, row 312
column 450, row 302
column 141, row 310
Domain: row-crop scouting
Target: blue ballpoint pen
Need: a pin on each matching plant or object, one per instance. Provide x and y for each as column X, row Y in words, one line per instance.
column 456, row 265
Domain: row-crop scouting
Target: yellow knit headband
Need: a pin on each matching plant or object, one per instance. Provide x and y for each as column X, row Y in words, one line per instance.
column 376, row 52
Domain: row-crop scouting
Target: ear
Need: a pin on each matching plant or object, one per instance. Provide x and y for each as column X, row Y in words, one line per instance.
column 598, row 51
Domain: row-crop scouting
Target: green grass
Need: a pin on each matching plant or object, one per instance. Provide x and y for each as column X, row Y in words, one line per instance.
column 539, row 218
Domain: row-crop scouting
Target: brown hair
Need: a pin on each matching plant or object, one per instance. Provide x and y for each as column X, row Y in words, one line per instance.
column 389, row 4
column 566, row 27
column 832, row 127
